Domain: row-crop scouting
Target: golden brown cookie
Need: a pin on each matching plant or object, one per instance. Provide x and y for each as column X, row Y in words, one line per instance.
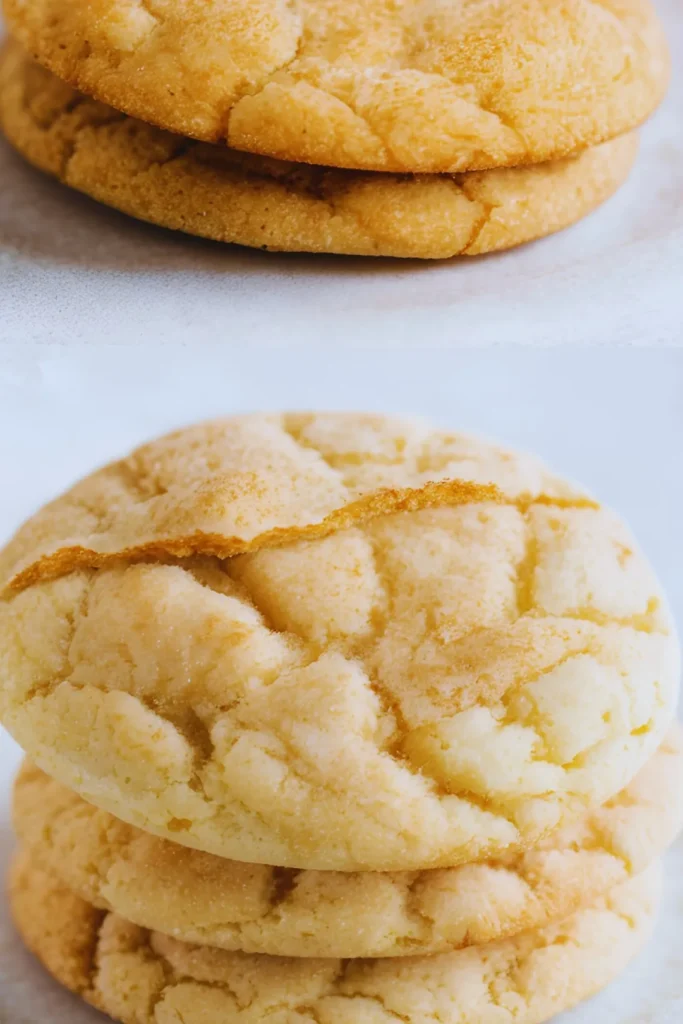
column 200, row 898
column 404, row 86
column 363, row 688
column 141, row 977
column 233, row 197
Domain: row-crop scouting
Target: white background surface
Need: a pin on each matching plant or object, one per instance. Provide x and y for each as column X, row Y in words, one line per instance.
column 72, row 272
column 612, row 418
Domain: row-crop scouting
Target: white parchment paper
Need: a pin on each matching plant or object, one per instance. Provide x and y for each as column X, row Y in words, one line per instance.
column 73, row 272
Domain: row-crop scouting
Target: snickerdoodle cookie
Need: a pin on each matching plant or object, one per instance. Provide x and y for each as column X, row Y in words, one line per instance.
column 141, row 977
column 334, row 641
column 228, row 196
column 200, row 898
column 412, row 85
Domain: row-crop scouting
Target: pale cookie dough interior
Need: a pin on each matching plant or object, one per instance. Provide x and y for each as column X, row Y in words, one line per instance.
column 232, row 197
column 420, row 689
column 203, row 899
column 139, row 977
column 416, row 85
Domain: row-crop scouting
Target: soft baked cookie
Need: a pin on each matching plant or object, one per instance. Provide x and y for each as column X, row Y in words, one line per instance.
column 364, row 687
column 233, row 197
column 200, row 898
column 142, row 977
column 417, row 85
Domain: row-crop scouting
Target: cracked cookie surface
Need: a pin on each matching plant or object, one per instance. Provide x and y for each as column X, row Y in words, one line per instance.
column 229, row 196
column 410, row 86
column 139, row 977
column 249, row 637
column 203, row 899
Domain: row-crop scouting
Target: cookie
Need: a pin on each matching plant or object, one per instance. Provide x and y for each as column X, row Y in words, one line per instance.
column 363, row 688
column 254, row 201
column 365, row 84
column 137, row 976
column 203, row 899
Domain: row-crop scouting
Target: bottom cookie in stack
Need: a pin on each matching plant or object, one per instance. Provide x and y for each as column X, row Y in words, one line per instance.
column 137, row 976
column 229, row 196
column 149, row 931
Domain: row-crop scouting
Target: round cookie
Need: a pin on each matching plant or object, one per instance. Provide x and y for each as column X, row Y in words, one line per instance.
column 250, row 638
column 365, row 84
column 203, row 899
column 254, row 201
column 139, row 977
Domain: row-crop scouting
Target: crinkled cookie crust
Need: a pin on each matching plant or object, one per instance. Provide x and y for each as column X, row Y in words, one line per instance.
column 363, row 688
column 228, row 196
column 203, row 899
column 416, row 86
column 139, row 977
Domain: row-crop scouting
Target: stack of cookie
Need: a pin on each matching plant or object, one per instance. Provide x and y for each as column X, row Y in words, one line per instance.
column 335, row 719
column 415, row 128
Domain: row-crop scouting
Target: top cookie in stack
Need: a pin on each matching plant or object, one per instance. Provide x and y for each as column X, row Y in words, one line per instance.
column 517, row 91
column 383, row 85
column 334, row 642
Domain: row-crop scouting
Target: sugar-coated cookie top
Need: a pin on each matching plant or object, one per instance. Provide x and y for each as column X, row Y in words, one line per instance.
column 334, row 641
column 398, row 85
